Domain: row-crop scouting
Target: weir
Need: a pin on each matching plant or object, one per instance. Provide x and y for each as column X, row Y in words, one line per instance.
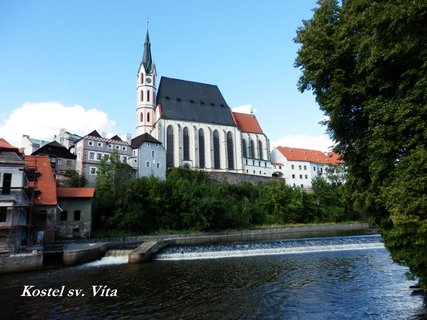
column 271, row 248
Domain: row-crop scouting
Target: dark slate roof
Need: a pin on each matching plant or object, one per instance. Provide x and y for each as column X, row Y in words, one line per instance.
column 95, row 133
column 193, row 101
column 54, row 148
column 139, row 140
column 117, row 138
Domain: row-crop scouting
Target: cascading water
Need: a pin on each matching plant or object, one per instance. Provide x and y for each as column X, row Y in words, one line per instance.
column 111, row 257
column 278, row 247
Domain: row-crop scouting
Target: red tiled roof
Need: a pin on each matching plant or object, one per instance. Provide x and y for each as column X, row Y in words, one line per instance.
column 297, row 154
column 45, row 182
column 75, row 192
column 6, row 145
column 246, row 122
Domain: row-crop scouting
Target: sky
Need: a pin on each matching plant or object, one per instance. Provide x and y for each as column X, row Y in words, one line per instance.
column 73, row 64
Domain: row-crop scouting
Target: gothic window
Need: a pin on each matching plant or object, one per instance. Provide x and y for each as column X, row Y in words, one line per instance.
column 244, row 148
column 230, row 151
column 169, row 145
column 141, row 78
column 201, row 149
column 141, row 117
column 186, row 142
column 148, row 116
column 141, row 96
column 251, row 149
column 148, row 95
column 260, row 149
column 216, row 155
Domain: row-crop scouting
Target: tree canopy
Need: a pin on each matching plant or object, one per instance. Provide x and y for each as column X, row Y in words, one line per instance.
column 366, row 62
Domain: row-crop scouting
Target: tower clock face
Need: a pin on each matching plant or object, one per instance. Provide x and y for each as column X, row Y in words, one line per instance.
column 148, row 80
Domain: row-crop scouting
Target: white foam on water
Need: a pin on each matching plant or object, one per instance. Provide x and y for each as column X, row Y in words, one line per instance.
column 111, row 260
column 266, row 251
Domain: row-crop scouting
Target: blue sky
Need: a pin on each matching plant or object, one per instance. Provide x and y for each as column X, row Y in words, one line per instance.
column 73, row 63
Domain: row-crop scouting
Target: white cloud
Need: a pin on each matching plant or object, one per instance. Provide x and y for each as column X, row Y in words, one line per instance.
column 246, row 108
column 321, row 142
column 44, row 120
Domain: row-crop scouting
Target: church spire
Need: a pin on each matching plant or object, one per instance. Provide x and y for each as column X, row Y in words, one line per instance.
column 146, row 58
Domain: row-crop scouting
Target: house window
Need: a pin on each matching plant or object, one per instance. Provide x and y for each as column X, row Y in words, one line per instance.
column 7, row 182
column 292, row 167
column 124, row 159
column 91, row 155
column 158, row 165
column 92, row 170
column 306, row 176
column 118, row 147
column 3, row 214
column 314, row 168
column 293, row 176
column 147, row 164
column 69, row 163
column 299, row 167
column 305, row 167
column 153, row 153
column 110, row 146
column 98, row 156
column 59, row 162
column 77, row 215
column 99, row 144
column 124, row 148
column 64, row 215
column 90, row 143
column 300, row 176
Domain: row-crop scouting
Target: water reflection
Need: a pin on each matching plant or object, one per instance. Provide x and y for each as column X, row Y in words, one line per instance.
column 354, row 284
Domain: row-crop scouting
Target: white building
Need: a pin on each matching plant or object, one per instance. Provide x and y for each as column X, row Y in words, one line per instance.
column 14, row 200
column 66, row 138
column 92, row 148
column 31, row 145
column 299, row 166
column 148, row 157
column 196, row 126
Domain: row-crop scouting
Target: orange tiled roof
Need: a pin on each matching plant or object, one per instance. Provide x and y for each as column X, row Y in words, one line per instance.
column 298, row 154
column 45, row 182
column 6, row 145
column 246, row 122
column 75, row 192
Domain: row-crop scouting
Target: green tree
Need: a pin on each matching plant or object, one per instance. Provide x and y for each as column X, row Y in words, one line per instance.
column 111, row 188
column 366, row 62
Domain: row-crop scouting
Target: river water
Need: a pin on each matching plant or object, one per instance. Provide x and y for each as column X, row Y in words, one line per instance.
column 325, row 278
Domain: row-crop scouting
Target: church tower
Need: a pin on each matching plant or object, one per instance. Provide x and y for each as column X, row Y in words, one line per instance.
column 146, row 91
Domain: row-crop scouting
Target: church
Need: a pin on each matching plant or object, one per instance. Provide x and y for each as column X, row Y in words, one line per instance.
column 196, row 126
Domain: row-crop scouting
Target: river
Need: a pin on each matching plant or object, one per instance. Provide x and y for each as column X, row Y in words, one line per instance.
column 323, row 278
